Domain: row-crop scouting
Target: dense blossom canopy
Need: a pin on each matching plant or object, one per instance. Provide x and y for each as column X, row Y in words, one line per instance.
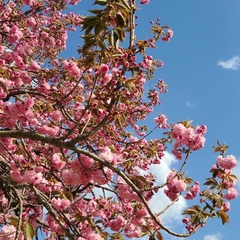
column 72, row 147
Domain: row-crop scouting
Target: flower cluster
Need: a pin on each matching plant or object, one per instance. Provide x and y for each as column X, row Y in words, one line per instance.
column 175, row 185
column 72, row 140
column 185, row 134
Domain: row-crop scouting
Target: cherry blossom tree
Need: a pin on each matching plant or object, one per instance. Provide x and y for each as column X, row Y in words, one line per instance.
column 73, row 149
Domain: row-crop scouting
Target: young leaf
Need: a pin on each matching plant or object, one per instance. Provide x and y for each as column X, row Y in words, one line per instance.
column 101, row 2
column 4, row 87
column 119, row 20
column 223, row 216
column 28, row 231
column 159, row 236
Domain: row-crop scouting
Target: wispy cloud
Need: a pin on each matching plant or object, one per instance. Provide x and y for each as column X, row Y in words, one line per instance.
column 160, row 200
column 217, row 236
column 190, row 104
column 233, row 63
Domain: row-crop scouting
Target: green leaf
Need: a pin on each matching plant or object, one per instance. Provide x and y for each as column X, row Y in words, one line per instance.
column 88, row 45
column 121, row 34
column 192, row 210
column 101, row 44
column 223, row 216
column 14, row 221
column 211, row 181
column 116, row 236
column 67, row 195
column 165, row 27
column 104, row 235
column 115, row 40
column 101, row 2
column 220, row 148
column 98, row 28
column 96, row 11
column 159, row 236
column 4, row 87
column 28, row 231
column 88, row 36
column 194, row 219
column 90, row 21
column 207, row 214
column 89, row 29
column 126, row 5
column 151, row 237
column 119, row 20
column 233, row 176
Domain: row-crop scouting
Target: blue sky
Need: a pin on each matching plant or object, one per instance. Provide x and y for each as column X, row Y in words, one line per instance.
column 202, row 70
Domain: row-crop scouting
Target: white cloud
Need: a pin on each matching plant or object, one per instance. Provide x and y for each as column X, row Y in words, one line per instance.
column 217, row 236
column 233, row 63
column 190, row 104
column 160, row 200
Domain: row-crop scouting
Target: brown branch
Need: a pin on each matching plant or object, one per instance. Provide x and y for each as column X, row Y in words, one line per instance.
column 132, row 23
column 44, row 200
column 71, row 146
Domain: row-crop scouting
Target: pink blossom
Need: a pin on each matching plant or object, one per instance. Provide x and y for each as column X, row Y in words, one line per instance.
column 201, row 129
column 89, row 233
column 3, row 94
column 141, row 213
column 8, row 231
column 16, row 175
column 170, row 33
column 232, row 193
column 20, row 63
column 2, row 62
column 31, row 22
column 56, row 115
column 171, row 195
column 131, row 231
column 72, row 68
column 147, row 62
column 175, row 185
column 192, row 193
column 106, row 79
column 52, row 223
column 186, row 136
column 1, row 49
column 166, row 37
column 29, row 2
column 15, row 34
column 107, row 155
column 196, row 142
column 117, row 224
column 103, row 68
column 144, row 1
column 71, row 178
column 178, row 130
column 34, row 66
column 227, row 162
column 57, row 163
column 74, row 2
column 31, row 177
column 161, row 121
column 177, row 153
column 60, row 204
column 51, row 131
column 25, row 77
column 226, row 206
